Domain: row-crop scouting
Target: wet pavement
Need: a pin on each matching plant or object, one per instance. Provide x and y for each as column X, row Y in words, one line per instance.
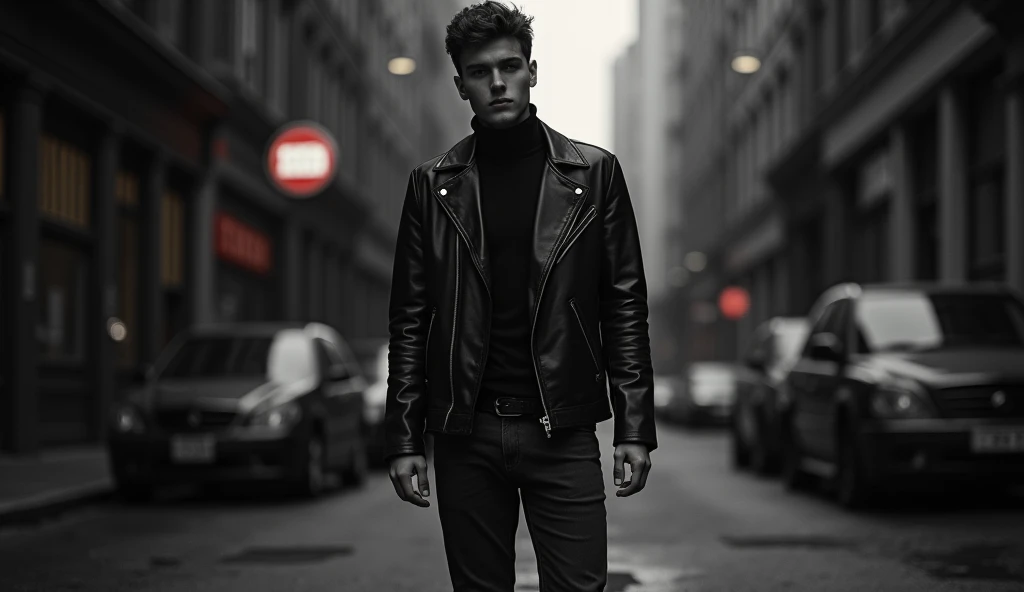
column 698, row 526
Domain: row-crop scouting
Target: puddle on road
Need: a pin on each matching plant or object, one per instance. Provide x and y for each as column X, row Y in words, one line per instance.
column 288, row 555
column 974, row 562
column 787, row 541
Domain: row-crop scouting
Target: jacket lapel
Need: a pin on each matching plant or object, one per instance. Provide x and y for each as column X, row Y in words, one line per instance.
column 557, row 205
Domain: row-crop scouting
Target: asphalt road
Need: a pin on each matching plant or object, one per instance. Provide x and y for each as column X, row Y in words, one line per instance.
column 698, row 526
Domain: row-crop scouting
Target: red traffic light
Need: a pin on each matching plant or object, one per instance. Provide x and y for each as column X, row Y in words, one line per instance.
column 734, row 302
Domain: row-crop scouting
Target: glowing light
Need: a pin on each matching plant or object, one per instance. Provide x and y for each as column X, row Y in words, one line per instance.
column 402, row 66
column 745, row 63
column 117, row 329
column 696, row 261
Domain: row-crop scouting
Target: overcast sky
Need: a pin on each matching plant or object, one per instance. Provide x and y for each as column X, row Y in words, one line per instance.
column 575, row 45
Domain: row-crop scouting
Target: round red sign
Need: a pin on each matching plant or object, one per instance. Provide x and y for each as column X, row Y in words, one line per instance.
column 302, row 159
column 734, row 302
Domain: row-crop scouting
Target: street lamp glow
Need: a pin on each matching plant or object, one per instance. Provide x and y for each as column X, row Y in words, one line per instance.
column 402, row 66
column 745, row 63
column 696, row 261
column 117, row 329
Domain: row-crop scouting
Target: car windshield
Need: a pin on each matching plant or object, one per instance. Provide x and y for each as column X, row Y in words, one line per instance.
column 219, row 357
column 909, row 321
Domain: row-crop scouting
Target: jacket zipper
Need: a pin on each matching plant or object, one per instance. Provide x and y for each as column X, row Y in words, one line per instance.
column 426, row 354
column 572, row 303
column 455, row 320
column 546, row 420
column 490, row 299
column 587, row 219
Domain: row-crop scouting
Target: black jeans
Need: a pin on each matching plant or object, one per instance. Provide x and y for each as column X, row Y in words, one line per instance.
column 479, row 480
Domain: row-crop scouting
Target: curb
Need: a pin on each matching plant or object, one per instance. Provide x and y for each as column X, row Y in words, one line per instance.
column 38, row 507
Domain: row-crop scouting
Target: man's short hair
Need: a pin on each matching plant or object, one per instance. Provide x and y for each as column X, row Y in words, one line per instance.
column 484, row 22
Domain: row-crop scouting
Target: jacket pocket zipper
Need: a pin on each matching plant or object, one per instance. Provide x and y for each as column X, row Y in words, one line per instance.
column 426, row 354
column 587, row 219
column 572, row 303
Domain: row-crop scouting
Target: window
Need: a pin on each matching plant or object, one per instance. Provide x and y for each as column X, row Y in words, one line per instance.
column 63, row 272
column 986, row 161
column 925, row 174
column 251, row 48
column 64, row 182
column 220, row 357
column 916, row 321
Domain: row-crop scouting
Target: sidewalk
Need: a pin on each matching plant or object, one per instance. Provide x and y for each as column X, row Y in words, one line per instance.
column 34, row 486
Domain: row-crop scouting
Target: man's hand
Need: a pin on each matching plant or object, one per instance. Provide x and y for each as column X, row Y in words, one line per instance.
column 639, row 461
column 402, row 470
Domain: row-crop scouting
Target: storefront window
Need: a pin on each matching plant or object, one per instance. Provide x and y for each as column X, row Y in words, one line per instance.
column 63, row 273
column 925, row 171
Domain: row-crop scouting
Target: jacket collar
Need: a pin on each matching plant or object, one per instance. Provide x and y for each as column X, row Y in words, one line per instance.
column 558, row 205
column 560, row 150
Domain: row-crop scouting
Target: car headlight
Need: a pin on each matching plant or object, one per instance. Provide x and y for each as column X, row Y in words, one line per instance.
column 128, row 420
column 901, row 401
column 280, row 416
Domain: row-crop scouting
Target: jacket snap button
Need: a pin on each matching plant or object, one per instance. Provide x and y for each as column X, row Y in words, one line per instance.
column 444, row 192
column 579, row 191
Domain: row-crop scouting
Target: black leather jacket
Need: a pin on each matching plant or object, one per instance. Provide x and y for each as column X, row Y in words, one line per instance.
column 587, row 294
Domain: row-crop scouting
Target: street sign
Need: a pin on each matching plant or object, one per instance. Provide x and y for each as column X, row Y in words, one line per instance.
column 302, row 159
column 734, row 302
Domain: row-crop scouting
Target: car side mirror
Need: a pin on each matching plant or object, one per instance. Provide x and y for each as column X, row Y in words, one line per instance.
column 337, row 372
column 826, row 346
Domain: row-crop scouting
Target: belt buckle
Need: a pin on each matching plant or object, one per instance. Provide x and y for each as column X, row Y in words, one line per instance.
column 499, row 412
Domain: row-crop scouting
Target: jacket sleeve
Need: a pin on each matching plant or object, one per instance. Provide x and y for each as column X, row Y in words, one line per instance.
column 624, row 313
column 408, row 314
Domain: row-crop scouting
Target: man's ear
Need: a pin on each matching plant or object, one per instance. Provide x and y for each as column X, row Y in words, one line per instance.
column 460, row 88
column 533, row 73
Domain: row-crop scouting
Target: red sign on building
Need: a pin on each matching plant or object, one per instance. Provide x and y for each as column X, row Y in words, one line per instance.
column 302, row 159
column 241, row 244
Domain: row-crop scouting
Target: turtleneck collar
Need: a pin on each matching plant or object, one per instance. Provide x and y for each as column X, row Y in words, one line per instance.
column 517, row 141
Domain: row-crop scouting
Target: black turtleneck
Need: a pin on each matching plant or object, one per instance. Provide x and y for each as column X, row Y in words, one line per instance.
column 511, row 163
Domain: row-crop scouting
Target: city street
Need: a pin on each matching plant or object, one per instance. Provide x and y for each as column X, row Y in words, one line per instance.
column 697, row 526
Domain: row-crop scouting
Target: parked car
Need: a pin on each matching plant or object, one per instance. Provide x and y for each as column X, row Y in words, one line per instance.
column 373, row 354
column 905, row 387
column 703, row 395
column 775, row 346
column 243, row 402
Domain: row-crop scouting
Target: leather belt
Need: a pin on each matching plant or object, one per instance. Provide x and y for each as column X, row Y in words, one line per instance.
column 514, row 406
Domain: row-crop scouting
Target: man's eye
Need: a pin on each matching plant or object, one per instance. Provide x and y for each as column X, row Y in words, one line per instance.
column 511, row 67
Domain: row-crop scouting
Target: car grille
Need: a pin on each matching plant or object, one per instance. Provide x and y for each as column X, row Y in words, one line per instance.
column 981, row 401
column 193, row 419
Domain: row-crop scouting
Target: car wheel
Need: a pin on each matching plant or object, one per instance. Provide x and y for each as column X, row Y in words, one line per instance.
column 853, row 489
column 313, row 477
column 358, row 465
column 793, row 475
column 760, row 461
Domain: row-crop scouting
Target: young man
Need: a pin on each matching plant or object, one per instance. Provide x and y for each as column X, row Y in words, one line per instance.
column 518, row 308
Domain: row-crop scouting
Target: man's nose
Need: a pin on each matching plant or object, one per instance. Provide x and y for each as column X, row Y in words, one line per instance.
column 497, row 83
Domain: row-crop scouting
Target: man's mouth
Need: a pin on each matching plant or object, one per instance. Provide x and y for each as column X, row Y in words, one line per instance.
column 500, row 101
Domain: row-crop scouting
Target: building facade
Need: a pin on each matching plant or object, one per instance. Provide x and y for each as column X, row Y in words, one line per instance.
column 881, row 140
column 646, row 139
column 132, row 187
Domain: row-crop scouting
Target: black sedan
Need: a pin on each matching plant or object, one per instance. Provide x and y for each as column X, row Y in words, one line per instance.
column 243, row 402
column 908, row 387
column 774, row 348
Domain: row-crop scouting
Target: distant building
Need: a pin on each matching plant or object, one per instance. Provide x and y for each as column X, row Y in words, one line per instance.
column 880, row 140
column 132, row 135
column 647, row 141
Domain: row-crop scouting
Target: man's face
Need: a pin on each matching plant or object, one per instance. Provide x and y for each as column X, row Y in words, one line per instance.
column 496, row 80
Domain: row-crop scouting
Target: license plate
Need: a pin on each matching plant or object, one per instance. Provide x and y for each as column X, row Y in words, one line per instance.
column 997, row 440
column 191, row 448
